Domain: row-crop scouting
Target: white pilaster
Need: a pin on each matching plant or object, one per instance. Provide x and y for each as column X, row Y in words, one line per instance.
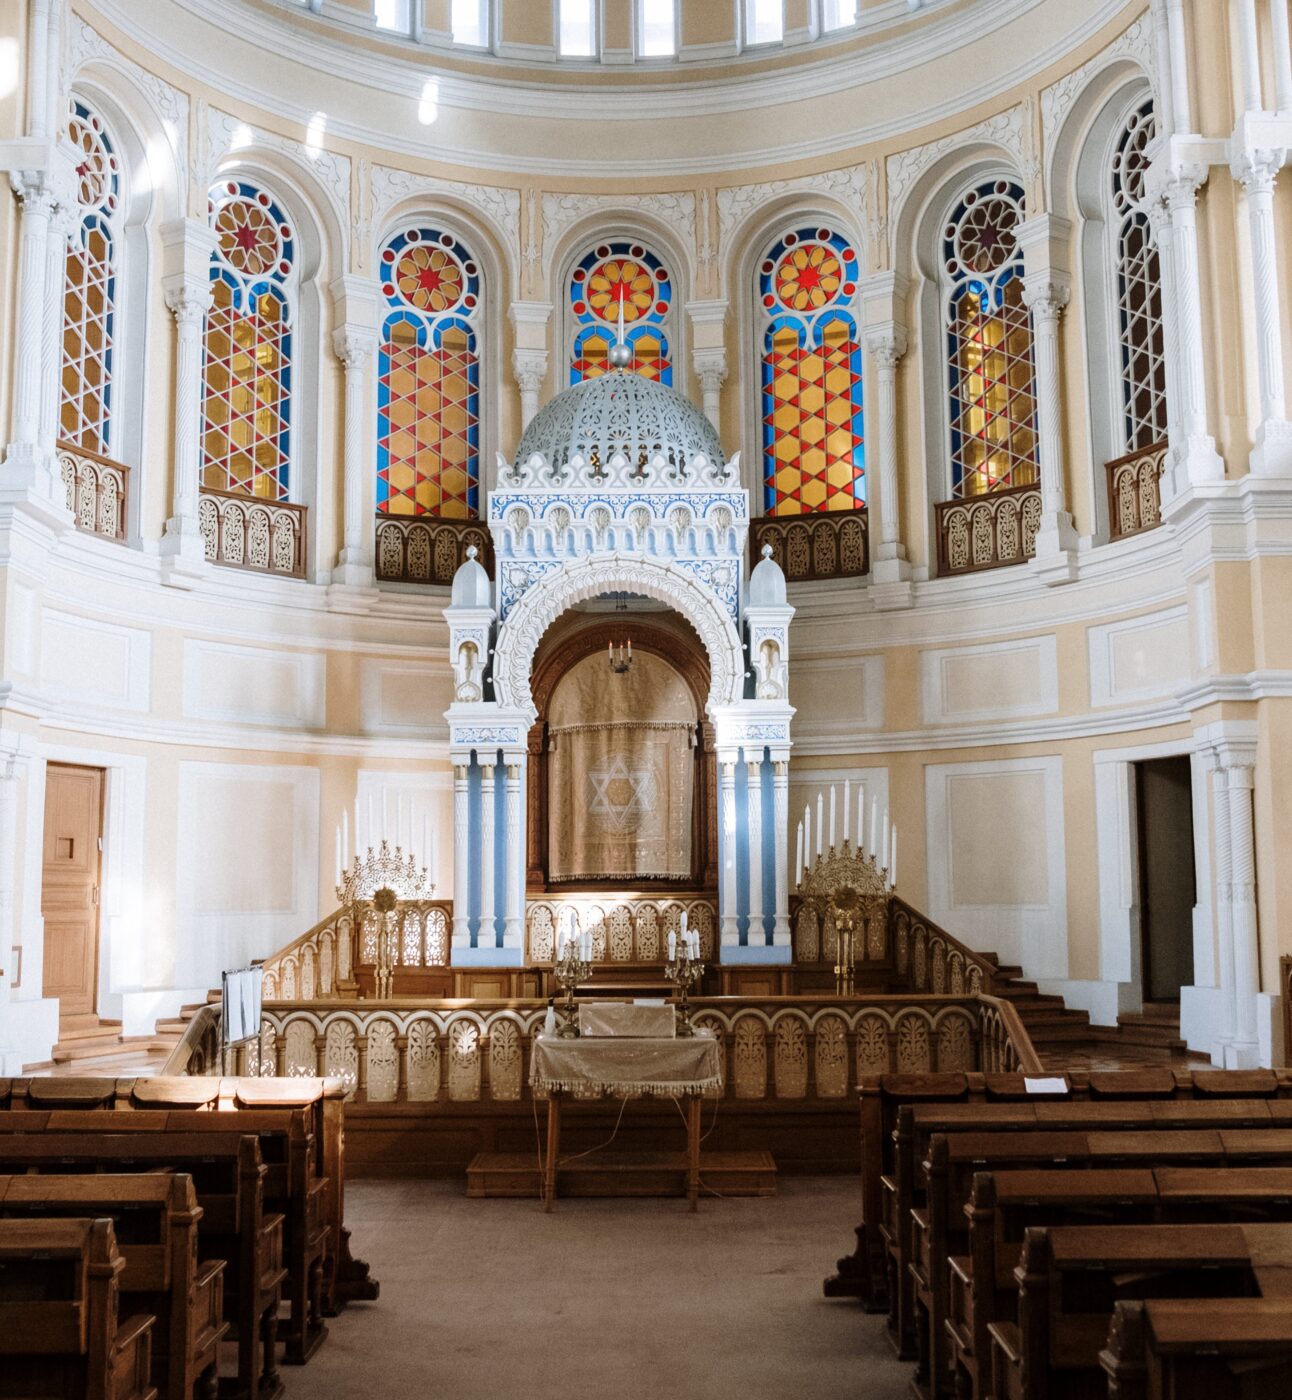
column 711, row 371
column 188, row 245
column 781, row 794
column 1159, row 218
column 727, row 889
column 709, row 352
column 1224, row 861
column 461, row 855
column 26, row 460
column 1162, row 62
column 1256, row 171
column 62, row 221
column 10, row 773
column 512, row 929
column 354, row 341
column 1181, row 101
column 756, row 936
column 884, row 300
column 531, row 353
column 530, row 369
column 487, row 934
column 1282, row 47
column 1245, row 1050
column 1249, row 94
column 1046, row 290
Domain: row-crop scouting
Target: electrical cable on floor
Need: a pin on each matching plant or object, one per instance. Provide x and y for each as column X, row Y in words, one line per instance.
column 561, row 1161
column 703, row 1139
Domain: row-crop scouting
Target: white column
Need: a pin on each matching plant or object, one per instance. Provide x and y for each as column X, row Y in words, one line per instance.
column 727, row 886
column 711, row 371
column 883, row 297
column 27, row 461
column 1198, row 461
column 1282, row 46
column 886, row 350
column 1179, row 75
column 1249, row 57
column 530, row 369
column 1224, row 861
column 1159, row 218
column 512, row 931
column 355, row 347
column 1056, row 535
column 757, row 935
column 487, row 934
column 10, row 772
column 188, row 245
column 51, row 350
column 781, row 837
column 1256, row 170
column 1162, row 62
column 461, row 857
column 1245, row 1051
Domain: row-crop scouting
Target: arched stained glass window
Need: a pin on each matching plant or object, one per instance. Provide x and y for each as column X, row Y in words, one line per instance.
column 89, row 285
column 1141, row 356
column 989, row 344
column 247, row 375
column 428, row 384
column 814, row 454
column 615, row 276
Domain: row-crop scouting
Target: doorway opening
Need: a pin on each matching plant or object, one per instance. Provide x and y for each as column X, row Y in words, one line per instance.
column 1167, row 875
column 71, row 873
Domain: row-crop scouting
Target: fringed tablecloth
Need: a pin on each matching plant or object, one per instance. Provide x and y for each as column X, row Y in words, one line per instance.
column 624, row 1067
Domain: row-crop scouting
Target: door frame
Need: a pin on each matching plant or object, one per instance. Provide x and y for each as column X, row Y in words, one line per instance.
column 1146, row 942
column 122, row 915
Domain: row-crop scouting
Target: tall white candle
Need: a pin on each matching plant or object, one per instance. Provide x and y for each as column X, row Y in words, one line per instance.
column 847, row 792
column 892, row 862
column 356, row 824
column 372, row 818
column 426, row 839
column 834, row 794
column 684, row 923
column 672, row 945
column 886, row 830
column 807, row 832
column 874, row 825
column 798, row 859
column 820, row 820
column 340, row 865
column 345, row 840
column 861, row 817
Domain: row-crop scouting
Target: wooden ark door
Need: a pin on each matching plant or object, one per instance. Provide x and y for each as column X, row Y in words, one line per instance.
column 69, row 894
column 1167, row 878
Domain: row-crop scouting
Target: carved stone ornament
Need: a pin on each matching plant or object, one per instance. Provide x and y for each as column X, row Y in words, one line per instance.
column 577, row 580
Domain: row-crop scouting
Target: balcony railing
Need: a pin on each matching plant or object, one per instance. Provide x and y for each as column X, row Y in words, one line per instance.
column 988, row 532
column 245, row 532
column 427, row 549
column 96, row 490
column 828, row 544
column 1134, row 491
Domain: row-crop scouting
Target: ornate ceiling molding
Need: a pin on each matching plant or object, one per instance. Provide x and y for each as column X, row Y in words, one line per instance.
column 500, row 206
column 560, row 211
column 852, row 186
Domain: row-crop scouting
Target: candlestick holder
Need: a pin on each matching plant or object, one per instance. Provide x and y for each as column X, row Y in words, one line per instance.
column 384, row 868
column 569, row 971
column 683, row 970
column 844, row 906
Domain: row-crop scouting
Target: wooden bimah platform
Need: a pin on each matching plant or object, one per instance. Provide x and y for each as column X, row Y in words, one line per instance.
column 514, row 1174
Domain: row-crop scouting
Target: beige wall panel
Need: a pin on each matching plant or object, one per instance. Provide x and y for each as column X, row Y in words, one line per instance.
column 998, row 837
column 1139, row 658
column 996, row 681
column 96, row 663
column 253, row 685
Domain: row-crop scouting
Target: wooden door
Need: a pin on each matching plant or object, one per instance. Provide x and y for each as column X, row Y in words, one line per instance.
column 1167, row 877
column 69, row 896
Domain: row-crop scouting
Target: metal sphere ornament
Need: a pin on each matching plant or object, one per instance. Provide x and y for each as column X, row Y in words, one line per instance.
column 621, row 355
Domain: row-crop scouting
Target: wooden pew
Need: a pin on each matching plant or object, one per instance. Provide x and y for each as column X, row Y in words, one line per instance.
column 60, row 1334
column 155, row 1220
column 981, row 1287
column 1182, row 1349
column 863, row 1273
column 228, row 1175
column 1070, row 1280
column 902, row 1190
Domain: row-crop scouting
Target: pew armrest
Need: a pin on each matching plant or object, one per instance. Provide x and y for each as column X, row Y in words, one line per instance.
column 1007, row 1341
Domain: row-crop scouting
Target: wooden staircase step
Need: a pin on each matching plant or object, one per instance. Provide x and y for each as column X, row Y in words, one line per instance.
column 624, row 1174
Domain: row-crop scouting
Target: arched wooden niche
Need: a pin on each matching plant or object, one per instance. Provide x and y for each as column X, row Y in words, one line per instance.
column 569, row 667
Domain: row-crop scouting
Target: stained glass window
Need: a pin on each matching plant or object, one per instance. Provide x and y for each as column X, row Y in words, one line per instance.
column 1141, row 357
column 247, row 376
column 428, row 379
column 613, row 276
column 814, row 453
column 989, row 344
column 89, row 285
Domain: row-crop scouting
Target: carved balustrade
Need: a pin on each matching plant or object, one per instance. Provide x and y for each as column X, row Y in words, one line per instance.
column 774, row 1049
column 1285, row 987
column 246, row 532
column 322, row 963
column 95, row 488
column 824, row 544
column 1134, row 492
column 427, row 549
column 929, row 959
column 987, row 532
column 623, row 931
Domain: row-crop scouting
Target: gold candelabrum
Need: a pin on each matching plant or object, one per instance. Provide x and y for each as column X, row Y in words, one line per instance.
column 684, row 969
column 571, row 968
column 848, row 886
column 378, row 882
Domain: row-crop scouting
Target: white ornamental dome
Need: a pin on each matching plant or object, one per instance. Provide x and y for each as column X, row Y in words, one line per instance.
column 619, row 429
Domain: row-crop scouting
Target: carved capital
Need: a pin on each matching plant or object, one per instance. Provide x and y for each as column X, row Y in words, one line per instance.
column 530, row 369
column 33, row 189
column 710, row 369
column 188, row 301
column 353, row 346
column 1045, row 297
column 1256, row 170
column 1182, row 185
column 887, row 345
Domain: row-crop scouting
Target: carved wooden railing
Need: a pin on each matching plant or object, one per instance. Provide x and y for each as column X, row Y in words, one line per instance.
column 1134, row 491
column 825, row 544
column 427, row 549
column 321, row 964
column 95, row 488
column 931, row 960
column 782, row 1049
column 1004, row 1044
column 623, row 931
column 198, row 1051
column 246, row 532
column 987, row 532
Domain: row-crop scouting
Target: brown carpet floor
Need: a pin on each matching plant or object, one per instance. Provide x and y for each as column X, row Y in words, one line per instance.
column 621, row 1299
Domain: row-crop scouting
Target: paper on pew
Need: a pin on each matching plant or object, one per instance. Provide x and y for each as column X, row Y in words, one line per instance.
column 1045, row 1086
